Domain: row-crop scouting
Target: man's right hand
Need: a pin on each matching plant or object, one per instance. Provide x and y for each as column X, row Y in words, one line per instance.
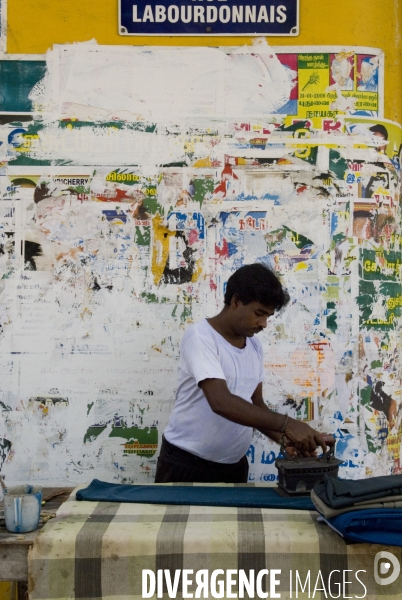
column 304, row 438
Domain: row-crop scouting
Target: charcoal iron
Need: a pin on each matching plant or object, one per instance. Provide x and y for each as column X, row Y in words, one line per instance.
column 298, row 476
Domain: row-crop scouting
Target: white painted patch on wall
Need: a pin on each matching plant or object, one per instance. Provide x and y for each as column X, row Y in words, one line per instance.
column 91, row 82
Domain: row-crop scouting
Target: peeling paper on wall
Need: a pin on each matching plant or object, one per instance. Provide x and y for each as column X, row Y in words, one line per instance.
column 121, row 224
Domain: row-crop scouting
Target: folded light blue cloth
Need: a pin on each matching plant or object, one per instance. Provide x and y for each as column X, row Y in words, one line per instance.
column 252, row 497
column 373, row 526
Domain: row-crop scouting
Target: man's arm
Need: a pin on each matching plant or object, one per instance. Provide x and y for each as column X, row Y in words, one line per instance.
column 258, row 415
column 275, row 436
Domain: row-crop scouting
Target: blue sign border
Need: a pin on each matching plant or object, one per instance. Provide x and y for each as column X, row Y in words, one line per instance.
column 158, row 24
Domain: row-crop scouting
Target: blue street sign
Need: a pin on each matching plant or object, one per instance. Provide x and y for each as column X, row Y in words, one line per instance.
column 209, row 17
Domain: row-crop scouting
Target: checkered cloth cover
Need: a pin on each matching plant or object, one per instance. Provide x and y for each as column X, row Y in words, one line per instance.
column 97, row 550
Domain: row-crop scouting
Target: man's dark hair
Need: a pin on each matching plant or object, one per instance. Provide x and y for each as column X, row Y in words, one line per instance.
column 379, row 129
column 256, row 283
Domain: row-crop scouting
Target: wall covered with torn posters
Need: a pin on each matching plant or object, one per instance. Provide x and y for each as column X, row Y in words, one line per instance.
column 133, row 183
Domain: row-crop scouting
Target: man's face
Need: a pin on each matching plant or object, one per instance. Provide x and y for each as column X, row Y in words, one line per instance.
column 340, row 69
column 381, row 137
column 367, row 70
column 251, row 318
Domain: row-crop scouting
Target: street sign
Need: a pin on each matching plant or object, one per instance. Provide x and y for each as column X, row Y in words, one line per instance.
column 209, row 17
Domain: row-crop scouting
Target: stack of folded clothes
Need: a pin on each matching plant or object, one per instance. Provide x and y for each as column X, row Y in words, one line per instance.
column 367, row 510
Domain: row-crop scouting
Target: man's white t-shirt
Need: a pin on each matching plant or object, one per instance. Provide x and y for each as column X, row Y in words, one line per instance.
column 193, row 426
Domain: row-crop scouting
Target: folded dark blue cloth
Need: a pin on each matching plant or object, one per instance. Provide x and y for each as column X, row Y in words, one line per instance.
column 373, row 526
column 338, row 493
column 252, row 497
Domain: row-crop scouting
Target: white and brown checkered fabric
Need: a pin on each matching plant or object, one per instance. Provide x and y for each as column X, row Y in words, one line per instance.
column 97, row 550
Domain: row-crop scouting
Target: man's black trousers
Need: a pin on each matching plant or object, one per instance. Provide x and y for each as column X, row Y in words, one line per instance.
column 176, row 465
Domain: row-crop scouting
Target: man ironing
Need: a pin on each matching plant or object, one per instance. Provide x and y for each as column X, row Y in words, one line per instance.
column 219, row 399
